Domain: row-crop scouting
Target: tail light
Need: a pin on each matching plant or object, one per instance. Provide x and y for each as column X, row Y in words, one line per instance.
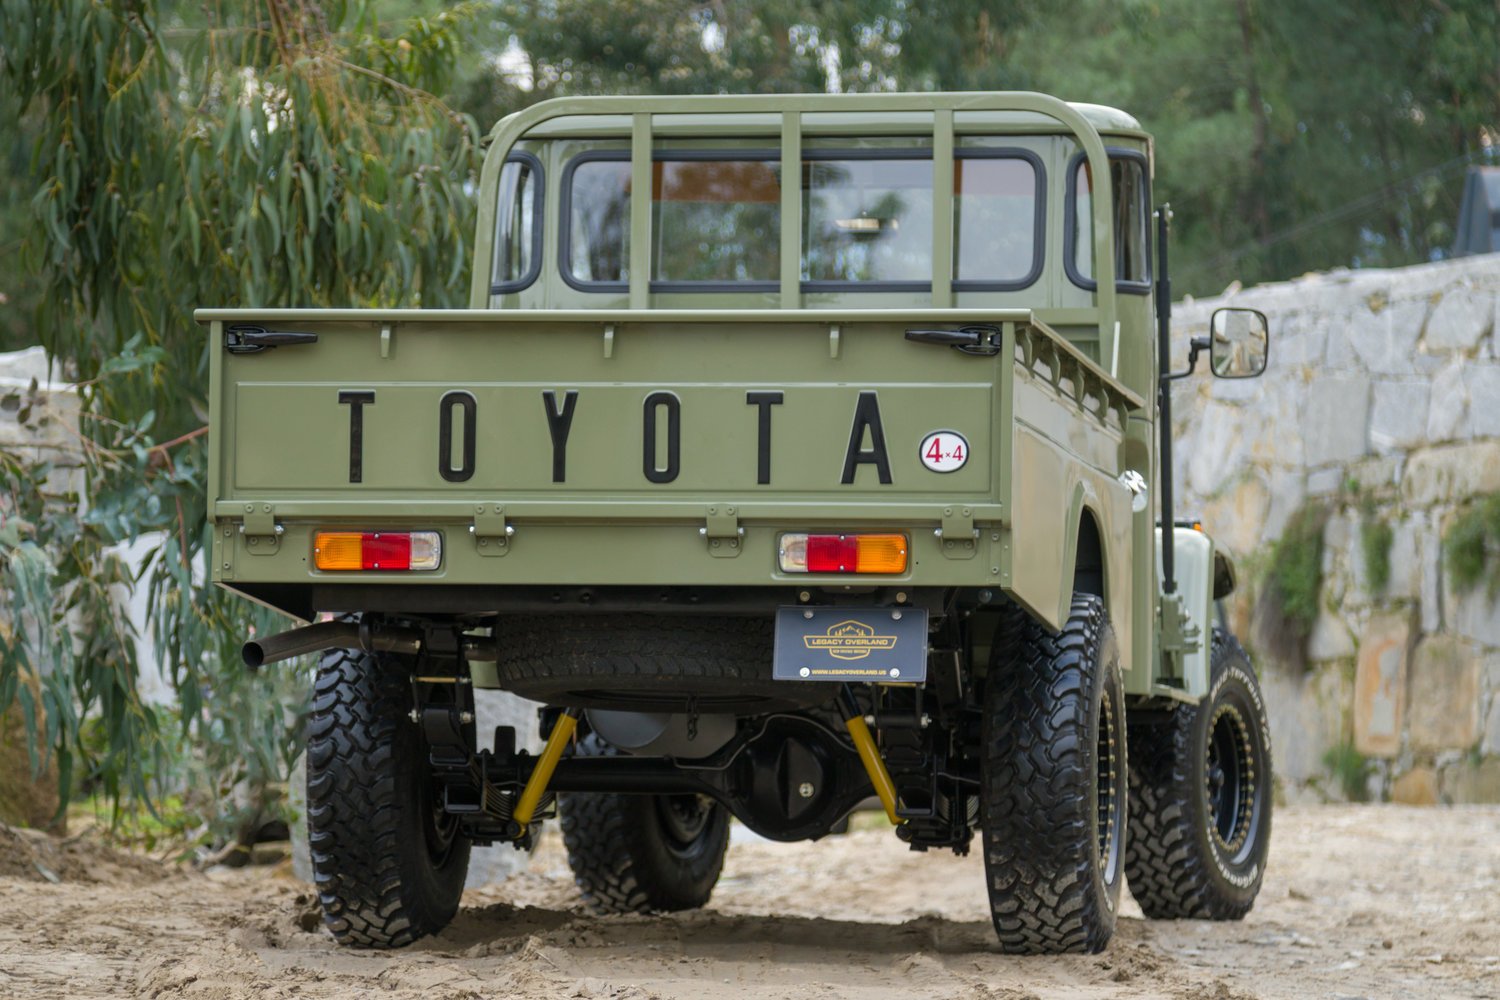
column 801, row 553
column 340, row 551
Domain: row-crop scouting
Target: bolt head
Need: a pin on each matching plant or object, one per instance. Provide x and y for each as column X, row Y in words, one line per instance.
column 806, row 789
column 804, row 672
column 895, row 672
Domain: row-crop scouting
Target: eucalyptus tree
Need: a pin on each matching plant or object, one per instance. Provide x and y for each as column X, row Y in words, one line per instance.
column 253, row 152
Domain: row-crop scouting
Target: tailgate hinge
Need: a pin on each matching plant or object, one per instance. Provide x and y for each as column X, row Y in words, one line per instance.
column 490, row 530
column 958, row 534
column 723, row 532
column 262, row 533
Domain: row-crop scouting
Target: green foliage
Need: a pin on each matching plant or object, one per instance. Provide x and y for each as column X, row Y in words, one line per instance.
column 1351, row 769
column 1472, row 546
column 1294, row 576
column 257, row 153
column 1375, row 538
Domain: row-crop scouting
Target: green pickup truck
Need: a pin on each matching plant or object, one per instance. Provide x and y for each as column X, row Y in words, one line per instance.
column 793, row 456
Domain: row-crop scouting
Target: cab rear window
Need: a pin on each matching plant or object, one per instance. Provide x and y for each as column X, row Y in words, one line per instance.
column 867, row 220
column 518, row 229
column 1130, row 199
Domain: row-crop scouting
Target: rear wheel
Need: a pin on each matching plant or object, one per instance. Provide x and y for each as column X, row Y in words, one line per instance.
column 639, row 853
column 1054, row 785
column 388, row 862
column 1201, row 785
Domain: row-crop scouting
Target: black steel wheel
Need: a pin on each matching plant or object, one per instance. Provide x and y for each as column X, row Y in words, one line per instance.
column 1054, row 782
column 388, row 862
column 1201, row 785
column 642, row 853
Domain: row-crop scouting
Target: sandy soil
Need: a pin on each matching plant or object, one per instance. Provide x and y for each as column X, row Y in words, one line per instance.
column 1374, row 901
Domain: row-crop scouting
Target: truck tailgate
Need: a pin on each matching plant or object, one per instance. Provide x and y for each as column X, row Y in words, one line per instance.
column 605, row 449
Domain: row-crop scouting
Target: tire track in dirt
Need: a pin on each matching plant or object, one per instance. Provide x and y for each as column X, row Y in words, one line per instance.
column 1370, row 901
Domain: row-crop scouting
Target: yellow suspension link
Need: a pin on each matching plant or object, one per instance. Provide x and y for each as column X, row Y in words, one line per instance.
column 869, row 755
column 541, row 775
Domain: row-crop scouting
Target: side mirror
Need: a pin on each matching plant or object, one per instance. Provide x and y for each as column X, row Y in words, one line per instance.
column 1239, row 344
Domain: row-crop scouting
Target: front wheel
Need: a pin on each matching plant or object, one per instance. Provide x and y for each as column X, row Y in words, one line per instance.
column 1053, row 782
column 641, row 853
column 1200, row 827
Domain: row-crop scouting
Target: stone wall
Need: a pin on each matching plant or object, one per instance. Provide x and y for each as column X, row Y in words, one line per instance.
column 1380, row 407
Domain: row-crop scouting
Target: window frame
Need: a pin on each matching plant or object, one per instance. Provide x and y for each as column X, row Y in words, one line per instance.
column 565, row 218
column 1039, row 220
column 1070, row 214
column 1039, row 227
column 539, row 225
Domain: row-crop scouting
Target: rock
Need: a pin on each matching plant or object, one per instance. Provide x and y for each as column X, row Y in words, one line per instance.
column 1398, row 415
column 1473, row 614
column 1236, row 519
column 1431, row 597
column 1380, row 685
column 1482, row 381
column 1472, row 781
column 1444, row 695
column 1333, row 424
column 1220, row 445
column 1460, row 319
column 1386, row 342
column 1448, row 409
column 1491, row 744
column 1405, row 579
column 1451, row 472
column 1417, row 787
column 1330, row 639
column 1321, row 482
column 1306, row 714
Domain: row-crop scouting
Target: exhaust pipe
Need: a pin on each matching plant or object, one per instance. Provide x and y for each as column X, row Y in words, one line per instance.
column 329, row 635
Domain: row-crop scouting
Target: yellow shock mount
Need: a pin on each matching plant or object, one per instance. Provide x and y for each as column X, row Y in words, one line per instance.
column 541, row 775
column 869, row 755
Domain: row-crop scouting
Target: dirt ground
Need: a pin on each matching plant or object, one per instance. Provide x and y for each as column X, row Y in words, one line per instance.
column 1359, row 901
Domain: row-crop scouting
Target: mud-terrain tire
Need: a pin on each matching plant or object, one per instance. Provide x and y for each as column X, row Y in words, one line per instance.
column 388, row 869
column 649, row 663
column 1200, row 786
column 1054, row 783
column 642, row 853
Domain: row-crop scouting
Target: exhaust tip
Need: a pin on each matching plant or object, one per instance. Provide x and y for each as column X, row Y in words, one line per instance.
column 253, row 655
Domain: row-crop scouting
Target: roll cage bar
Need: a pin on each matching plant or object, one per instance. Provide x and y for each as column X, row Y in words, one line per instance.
column 791, row 108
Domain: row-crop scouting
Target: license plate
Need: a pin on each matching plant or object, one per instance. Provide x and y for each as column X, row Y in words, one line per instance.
column 847, row 645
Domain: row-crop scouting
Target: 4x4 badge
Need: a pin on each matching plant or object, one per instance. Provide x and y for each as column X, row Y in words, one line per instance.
column 944, row 451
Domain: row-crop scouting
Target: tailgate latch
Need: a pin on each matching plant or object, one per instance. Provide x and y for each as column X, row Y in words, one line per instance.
column 958, row 534
column 723, row 532
column 490, row 530
column 262, row 533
